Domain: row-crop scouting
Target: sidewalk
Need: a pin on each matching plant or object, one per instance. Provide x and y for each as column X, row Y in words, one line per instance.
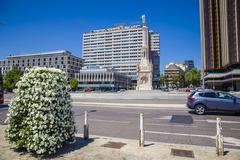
column 107, row 148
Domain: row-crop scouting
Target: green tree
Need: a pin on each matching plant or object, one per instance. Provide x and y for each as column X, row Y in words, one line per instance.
column 11, row 78
column 193, row 77
column 176, row 80
column 162, row 79
column 74, row 84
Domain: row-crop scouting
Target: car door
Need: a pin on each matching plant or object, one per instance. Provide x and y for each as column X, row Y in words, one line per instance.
column 227, row 102
column 210, row 100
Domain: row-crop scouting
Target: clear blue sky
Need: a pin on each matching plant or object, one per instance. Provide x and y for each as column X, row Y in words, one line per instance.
column 29, row 26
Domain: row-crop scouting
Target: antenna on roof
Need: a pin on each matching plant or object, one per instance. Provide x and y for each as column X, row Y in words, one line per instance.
column 144, row 20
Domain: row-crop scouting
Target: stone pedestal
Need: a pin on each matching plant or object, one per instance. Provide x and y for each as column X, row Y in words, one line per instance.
column 144, row 75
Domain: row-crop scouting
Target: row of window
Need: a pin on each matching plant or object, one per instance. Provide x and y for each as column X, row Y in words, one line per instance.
column 109, row 33
column 39, row 59
column 112, row 36
column 114, row 40
column 110, row 44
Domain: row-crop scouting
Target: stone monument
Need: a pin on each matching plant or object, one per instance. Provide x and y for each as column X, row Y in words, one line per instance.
column 145, row 67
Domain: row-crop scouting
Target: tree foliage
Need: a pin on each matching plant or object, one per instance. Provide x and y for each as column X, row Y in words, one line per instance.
column 74, row 84
column 40, row 117
column 193, row 77
column 11, row 78
column 162, row 79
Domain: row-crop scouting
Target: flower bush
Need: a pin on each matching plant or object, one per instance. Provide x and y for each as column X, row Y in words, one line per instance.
column 40, row 117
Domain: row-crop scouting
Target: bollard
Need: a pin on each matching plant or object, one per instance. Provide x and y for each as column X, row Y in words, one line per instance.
column 86, row 126
column 219, row 139
column 141, row 132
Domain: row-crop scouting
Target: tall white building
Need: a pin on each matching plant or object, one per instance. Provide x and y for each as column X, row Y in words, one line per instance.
column 120, row 48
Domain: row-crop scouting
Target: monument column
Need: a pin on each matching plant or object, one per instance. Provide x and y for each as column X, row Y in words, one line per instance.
column 144, row 68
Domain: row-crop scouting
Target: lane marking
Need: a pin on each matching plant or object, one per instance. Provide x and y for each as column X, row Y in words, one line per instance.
column 164, row 117
column 134, row 104
column 235, row 129
column 228, row 140
column 168, row 125
column 144, row 108
column 109, row 121
column 214, row 121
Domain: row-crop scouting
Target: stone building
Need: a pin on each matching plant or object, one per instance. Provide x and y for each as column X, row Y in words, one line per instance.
column 174, row 74
column 63, row 60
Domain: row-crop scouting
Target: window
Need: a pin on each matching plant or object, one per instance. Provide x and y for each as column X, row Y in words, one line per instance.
column 209, row 95
column 224, row 95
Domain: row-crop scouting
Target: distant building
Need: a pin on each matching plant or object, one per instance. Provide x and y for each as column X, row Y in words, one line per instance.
column 220, row 43
column 183, row 67
column 189, row 64
column 173, row 74
column 120, row 47
column 98, row 78
column 63, row 60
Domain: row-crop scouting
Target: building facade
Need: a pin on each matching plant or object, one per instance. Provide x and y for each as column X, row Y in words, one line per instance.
column 189, row 64
column 120, row 48
column 174, row 74
column 220, row 40
column 98, row 78
column 63, row 60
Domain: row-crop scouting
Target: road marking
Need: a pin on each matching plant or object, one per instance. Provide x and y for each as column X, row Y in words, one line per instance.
column 214, row 121
column 168, row 125
column 235, row 129
column 134, row 104
column 109, row 121
column 164, row 117
column 144, row 108
column 228, row 140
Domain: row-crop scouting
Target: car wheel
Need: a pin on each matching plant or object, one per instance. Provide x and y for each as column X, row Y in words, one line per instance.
column 200, row 109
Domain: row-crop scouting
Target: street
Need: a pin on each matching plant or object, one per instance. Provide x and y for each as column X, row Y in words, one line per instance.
column 165, row 120
column 162, row 124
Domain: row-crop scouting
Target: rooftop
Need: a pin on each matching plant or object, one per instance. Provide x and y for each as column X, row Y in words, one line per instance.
column 40, row 53
column 118, row 27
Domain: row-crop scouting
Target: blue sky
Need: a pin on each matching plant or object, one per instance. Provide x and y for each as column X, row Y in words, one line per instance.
column 29, row 26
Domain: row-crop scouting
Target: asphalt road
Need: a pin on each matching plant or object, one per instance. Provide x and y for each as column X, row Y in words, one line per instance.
column 161, row 124
column 165, row 120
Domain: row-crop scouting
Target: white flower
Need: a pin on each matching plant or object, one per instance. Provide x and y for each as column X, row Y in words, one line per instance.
column 40, row 94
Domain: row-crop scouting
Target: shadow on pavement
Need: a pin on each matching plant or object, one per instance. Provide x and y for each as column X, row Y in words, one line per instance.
column 150, row 144
column 67, row 148
column 217, row 113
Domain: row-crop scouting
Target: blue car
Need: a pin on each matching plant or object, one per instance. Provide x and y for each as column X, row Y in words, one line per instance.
column 210, row 100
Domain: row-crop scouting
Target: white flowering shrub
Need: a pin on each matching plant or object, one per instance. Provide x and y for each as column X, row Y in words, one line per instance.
column 40, row 117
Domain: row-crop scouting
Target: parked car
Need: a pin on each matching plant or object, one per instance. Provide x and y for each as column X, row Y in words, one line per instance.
column 209, row 100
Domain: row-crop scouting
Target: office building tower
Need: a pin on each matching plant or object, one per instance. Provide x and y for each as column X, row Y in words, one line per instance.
column 220, row 40
column 120, row 48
